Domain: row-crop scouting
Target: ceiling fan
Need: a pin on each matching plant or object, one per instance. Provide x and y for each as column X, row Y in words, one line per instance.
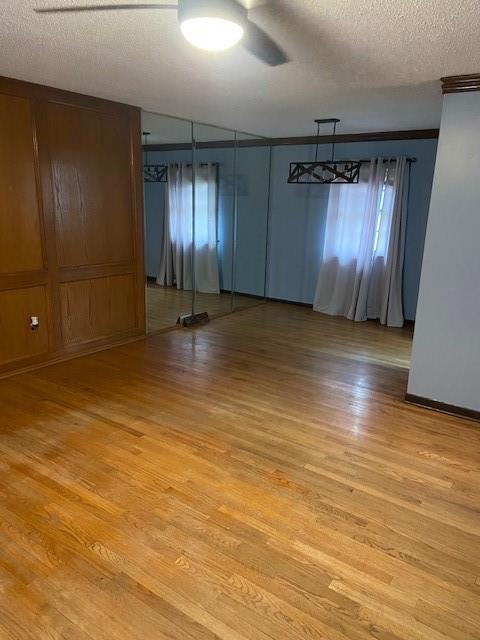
column 214, row 25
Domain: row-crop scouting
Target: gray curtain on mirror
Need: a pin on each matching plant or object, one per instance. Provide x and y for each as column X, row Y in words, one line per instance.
column 176, row 255
column 362, row 265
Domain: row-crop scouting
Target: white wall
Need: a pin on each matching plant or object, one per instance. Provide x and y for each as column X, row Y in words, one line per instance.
column 446, row 347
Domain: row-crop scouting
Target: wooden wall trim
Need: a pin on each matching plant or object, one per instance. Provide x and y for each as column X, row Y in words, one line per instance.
column 136, row 171
column 461, row 84
column 48, row 218
column 89, row 272
column 75, row 351
column 23, row 279
column 373, row 136
column 452, row 409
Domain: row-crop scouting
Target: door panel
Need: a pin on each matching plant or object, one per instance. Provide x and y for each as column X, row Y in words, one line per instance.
column 92, row 188
column 20, row 230
column 97, row 308
column 18, row 339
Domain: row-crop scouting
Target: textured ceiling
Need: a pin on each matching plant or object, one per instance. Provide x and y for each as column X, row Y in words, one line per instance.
column 373, row 63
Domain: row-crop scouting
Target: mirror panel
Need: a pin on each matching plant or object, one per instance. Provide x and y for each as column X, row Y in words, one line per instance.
column 214, row 212
column 206, row 196
column 168, row 221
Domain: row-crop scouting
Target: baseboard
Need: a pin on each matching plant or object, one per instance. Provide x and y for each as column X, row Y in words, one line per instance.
column 451, row 409
column 267, row 299
column 294, row 302
column 78, row 351
column 228, row 292
column 406, row 323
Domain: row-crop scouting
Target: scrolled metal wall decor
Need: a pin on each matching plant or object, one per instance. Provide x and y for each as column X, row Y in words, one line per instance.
column 155, row 172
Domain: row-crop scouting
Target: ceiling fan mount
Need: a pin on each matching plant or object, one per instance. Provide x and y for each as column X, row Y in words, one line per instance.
column 214, row 25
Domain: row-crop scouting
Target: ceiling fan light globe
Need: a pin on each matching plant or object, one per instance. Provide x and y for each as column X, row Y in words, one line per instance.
column 212, row 34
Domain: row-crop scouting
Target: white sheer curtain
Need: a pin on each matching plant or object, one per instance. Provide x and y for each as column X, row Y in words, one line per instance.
column 361, row 270
column 176, row 255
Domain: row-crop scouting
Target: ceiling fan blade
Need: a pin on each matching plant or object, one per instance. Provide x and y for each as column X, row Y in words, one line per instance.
column 262, row 46
column 104, row 7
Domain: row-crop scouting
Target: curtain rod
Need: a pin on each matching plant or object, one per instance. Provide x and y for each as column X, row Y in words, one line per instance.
column 364, row 161
column 385, row 160
column 199, row 164
column 187, row 164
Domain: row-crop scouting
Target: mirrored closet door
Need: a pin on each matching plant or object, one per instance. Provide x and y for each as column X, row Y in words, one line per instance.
column 206, row 200
column 214, row 224
column 168, row 231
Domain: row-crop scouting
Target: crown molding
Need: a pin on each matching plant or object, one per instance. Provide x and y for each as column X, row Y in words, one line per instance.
column 461, row 84
column 373, row 136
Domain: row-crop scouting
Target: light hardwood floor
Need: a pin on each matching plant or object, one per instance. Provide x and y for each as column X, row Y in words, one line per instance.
column 257, row 478
column 164, row 305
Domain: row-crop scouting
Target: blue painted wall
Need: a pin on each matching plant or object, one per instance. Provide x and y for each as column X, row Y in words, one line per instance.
column 252, row 203
column 297, row 216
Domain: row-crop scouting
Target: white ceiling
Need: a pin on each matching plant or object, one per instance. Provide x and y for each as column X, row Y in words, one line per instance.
column 373, row 63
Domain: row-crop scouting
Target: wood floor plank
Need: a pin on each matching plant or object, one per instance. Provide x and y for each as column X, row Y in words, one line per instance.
column 257, row 478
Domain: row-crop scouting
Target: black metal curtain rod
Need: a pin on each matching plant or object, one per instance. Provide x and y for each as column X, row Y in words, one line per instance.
column 187, row 164
column 199, row 164
column 363, row 161
column 366, row 160
column 390, row 159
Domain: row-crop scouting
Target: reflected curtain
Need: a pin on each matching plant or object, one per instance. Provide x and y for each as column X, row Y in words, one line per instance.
column 178, row 237
column 362, row 265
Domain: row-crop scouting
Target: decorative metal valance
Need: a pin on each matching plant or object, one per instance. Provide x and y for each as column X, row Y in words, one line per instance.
column 345, row 172
column 325, row 171
column 153, row 172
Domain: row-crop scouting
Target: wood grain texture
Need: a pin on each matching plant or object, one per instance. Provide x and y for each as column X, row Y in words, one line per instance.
column 20, row 227
column 164, row 305
column 256, row 478
column 70, row 210
column 97, row 308
column 17, row 338
column 90, row 164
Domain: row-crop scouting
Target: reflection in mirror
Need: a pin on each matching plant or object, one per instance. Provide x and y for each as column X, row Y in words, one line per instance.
column 168, row 219
column 214, row 168
column 251, row 233
column 206, row 195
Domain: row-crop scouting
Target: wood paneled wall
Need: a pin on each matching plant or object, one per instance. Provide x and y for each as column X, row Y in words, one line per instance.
column 71, row 224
